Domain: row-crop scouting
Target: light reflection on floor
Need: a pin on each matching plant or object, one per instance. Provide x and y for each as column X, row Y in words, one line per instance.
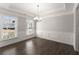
column 30, row 49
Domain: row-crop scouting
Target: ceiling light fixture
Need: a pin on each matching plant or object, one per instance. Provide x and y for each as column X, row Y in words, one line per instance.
column 37, row 18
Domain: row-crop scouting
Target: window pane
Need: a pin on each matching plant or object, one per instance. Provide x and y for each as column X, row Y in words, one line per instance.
column 7, row 27
column 30, row 27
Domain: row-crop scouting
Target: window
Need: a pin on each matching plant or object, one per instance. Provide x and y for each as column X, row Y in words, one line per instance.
column 30, row 27
column 7, row 27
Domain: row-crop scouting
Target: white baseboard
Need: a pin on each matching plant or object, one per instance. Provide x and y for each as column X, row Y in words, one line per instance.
column 63, row 37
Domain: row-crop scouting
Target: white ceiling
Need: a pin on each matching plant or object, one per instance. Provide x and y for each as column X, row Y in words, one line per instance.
column 44, row 8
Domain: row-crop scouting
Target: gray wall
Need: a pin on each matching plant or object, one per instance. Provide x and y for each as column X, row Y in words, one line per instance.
column 58, row 28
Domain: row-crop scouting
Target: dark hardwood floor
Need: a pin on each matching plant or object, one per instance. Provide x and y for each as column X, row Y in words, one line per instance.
column 38, row 46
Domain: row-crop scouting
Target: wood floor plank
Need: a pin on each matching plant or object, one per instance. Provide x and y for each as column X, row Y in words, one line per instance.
column 38, row 46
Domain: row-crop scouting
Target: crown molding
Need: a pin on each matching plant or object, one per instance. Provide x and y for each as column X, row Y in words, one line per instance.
column 58, row 14
column 15, row 12
column 52, row 11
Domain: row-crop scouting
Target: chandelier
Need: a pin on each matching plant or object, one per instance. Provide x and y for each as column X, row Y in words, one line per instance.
column 37, row 17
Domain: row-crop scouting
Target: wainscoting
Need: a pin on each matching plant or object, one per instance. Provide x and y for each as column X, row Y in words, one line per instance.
column 62, row 37
column 14, row 40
